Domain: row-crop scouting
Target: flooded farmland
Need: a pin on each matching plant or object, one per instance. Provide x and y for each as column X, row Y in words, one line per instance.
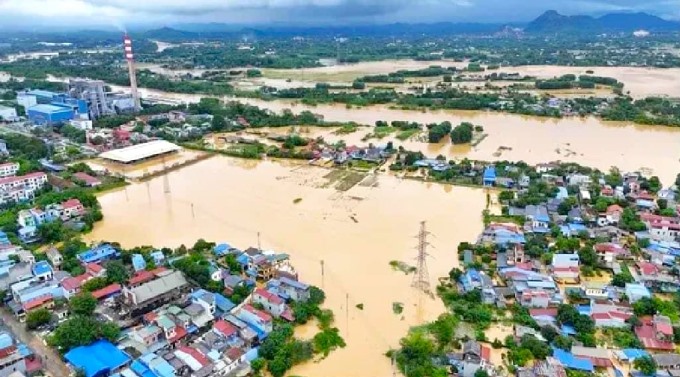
column 301, row 210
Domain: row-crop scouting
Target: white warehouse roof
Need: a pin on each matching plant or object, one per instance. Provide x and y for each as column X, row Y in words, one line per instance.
column 140, row 151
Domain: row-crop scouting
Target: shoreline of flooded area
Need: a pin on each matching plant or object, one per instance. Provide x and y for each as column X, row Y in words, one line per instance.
column 356, row 233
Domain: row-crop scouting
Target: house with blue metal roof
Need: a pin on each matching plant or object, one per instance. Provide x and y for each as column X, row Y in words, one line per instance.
column 4, row 240
column 222, row 305
column 138, row 262
column 42, row 271
column 100, row 358
column 158, row 257
column 489, row 177
column 569, row 361
column 98, row 254
column 221, row 249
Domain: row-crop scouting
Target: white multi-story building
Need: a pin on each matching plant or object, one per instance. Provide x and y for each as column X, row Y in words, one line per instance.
column 8, row 169
column 33, row 181
column 16, row 194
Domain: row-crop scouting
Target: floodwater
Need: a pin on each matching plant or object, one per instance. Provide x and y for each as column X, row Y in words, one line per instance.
column 640, row 81
column 587, row 141
column 356, row 233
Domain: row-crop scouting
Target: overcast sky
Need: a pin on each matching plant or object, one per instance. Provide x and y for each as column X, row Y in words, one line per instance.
column 31, row 14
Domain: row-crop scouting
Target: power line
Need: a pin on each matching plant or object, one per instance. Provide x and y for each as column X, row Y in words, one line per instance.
column 421, row 279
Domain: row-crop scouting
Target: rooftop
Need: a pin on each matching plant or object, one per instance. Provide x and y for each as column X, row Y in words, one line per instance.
column 164, row 284
column 49, row 109
column 140, row 151
column 97, row 358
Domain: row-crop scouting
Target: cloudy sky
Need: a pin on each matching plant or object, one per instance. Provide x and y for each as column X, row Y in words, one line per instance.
column 31, row 14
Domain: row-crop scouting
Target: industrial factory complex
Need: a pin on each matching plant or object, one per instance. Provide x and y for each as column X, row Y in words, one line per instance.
column 84, row 100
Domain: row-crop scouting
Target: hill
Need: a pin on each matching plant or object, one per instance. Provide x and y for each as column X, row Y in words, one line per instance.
column 553, row 22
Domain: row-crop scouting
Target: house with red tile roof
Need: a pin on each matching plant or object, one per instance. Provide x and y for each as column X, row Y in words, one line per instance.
column 95, row 269
column 271, row 302
column 71, row 286
column 107, row 292
column 225, row 329
column 260, row 321
column 608, row 252
column 535, row 299
column 656, row 333
column 46, row 301
column 72, row 208
column 87, row 179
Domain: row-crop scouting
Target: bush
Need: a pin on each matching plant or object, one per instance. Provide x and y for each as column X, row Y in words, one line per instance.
column 462, row 134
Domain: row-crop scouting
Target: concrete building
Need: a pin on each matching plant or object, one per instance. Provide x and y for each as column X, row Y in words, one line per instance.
column 8, row 169
column 93, row 92
column 8, row 114
column 11, row 359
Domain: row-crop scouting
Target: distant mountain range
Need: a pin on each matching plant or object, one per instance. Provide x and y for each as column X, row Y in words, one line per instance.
column 553, row 22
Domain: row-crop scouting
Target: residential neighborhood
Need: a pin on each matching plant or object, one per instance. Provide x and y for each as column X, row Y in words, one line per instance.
column 591, row 271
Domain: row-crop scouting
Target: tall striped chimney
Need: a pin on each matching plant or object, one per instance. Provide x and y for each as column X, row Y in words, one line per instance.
column 129, row 56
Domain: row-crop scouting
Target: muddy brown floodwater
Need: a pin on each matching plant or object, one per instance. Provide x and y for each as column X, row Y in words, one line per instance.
column 587, row 141
column 355, row 232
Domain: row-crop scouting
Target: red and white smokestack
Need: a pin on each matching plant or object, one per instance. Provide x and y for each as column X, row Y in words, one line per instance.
column 129, row 56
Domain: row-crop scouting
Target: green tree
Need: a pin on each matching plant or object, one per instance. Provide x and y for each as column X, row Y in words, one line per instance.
column 83, row 304
column 257, row 365
column 644, row 306
column 116, row 272
column 94, row 284
column 462, row 134
column 81, row 330
column 38, row 318
column 563, row 342
column 645, row 364
column 481, row 373
column 218, row 123
column 588, row 256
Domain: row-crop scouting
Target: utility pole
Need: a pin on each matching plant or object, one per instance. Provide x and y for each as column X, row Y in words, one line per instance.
column 421, row 279
column 347, row 312
column 166, row 180
column 323, row 276
column 259, row 247
column 193, row 214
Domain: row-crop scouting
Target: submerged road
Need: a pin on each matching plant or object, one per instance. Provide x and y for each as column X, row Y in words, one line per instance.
column 51, row 359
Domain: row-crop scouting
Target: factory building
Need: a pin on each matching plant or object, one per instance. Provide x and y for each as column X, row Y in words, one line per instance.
column 49, row 115
column 8, row 114
column 26, row 100
column 43, row 96
column 93, row 93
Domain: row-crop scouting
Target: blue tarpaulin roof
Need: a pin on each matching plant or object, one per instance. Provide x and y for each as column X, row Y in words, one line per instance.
column 97, row 359
column 570, row 362
column 633, row 353
column 568, row 330
column 221, row 249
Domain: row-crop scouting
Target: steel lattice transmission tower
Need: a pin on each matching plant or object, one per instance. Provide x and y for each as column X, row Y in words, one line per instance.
column 421, row 278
